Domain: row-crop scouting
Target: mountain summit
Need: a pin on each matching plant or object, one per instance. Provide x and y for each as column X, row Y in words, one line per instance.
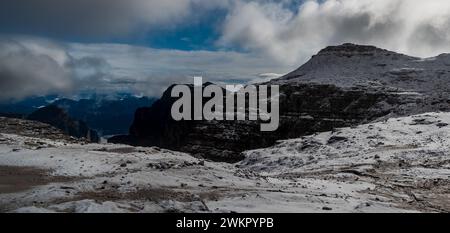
column 350, row 50
column 351, row 65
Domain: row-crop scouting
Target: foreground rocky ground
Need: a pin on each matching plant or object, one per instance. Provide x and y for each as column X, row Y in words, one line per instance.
column 400, row 165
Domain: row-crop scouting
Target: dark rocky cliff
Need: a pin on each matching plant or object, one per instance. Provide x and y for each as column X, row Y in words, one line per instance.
column 304, row 109
column 57, row 118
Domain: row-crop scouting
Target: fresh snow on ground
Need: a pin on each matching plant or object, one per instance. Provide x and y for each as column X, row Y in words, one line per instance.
column 399, row 165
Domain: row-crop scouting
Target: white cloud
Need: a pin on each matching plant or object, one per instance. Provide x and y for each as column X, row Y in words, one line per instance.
column 420, row 28
column 34, row 66
column 31, row 67
column 150, row 71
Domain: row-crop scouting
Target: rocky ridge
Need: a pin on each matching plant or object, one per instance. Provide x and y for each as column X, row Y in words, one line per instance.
column 58, row 118
column 341, row 86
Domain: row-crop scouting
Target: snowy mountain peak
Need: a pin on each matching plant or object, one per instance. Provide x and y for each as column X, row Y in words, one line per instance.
column 351, row 65
column 350, row 50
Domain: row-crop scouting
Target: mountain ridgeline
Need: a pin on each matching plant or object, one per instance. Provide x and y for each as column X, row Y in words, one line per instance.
column 341, row 86
column 105, row 115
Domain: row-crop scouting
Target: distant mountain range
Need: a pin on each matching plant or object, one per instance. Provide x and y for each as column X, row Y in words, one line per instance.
column 26, row 106
column 107, row 116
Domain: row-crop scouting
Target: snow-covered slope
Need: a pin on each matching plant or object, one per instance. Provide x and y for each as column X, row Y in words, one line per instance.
column 351, row 65
column 406, row 160
column 400, row 165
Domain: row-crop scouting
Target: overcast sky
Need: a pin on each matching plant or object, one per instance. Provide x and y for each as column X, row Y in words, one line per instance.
column 142, row 46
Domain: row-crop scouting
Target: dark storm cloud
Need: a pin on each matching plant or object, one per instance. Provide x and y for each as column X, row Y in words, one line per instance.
column 28, row 68
column 95, row 18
